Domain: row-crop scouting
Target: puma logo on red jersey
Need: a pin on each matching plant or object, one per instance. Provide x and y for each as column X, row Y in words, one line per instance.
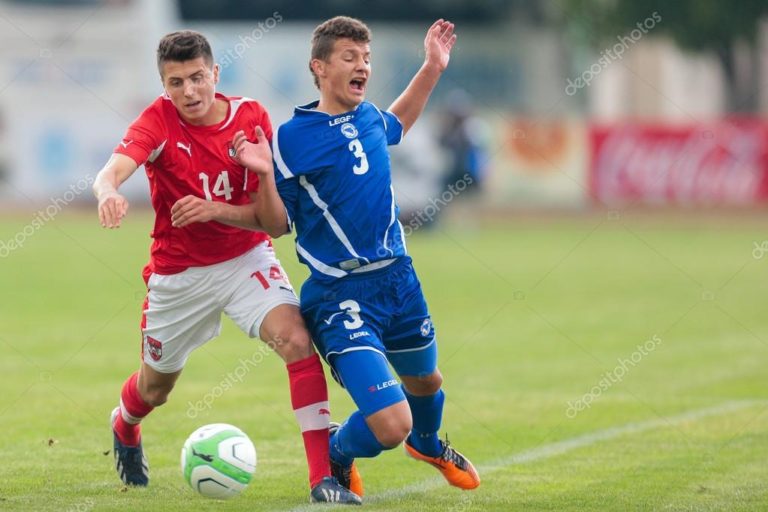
column 187, row 148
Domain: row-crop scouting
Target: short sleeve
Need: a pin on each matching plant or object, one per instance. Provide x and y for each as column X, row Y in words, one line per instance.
column 286, row 182
column 392, row 126
column 288, row 188
column 143, row 137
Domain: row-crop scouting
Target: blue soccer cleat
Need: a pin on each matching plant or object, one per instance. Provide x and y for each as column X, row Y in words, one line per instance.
column 131, row 464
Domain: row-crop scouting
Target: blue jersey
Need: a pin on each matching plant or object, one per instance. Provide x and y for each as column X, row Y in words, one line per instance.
column 333, row 174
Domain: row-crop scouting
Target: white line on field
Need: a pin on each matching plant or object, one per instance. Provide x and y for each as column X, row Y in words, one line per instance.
column 553, row 449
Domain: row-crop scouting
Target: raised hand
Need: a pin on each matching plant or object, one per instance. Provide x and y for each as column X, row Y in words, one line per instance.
column 254, row 157
column 438, row 43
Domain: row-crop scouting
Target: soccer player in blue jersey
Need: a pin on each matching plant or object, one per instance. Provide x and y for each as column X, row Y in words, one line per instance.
column 363, row 303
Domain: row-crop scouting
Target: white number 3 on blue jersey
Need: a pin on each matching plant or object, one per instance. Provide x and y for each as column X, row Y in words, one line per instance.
column 352, row 308
column 356, row 147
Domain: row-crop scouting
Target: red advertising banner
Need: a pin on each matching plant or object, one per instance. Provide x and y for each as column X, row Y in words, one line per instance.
column 707, row 164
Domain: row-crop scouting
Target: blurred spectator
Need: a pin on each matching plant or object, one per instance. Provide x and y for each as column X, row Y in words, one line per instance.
column 462, row 134
column 5, row 154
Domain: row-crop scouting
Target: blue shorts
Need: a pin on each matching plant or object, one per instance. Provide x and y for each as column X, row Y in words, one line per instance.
column 382, row 311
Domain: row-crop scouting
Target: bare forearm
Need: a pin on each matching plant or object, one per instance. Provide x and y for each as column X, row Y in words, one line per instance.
column 270, row 209
column 118, row 169
column 104, row 183
column 240, row 216
column 410, row 104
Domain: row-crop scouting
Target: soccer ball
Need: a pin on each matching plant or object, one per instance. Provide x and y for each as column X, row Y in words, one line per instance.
column 218, row 460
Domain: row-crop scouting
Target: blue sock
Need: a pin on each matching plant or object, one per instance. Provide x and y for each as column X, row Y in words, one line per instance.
column 354, row 439
column 427, row 412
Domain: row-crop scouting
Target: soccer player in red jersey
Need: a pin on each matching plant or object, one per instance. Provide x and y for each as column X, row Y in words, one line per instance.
column 211, row 251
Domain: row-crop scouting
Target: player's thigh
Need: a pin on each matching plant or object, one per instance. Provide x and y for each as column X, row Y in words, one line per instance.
column 410, row 341
column 368, row 379
column 258, row 287
column 181, row 313
column 283, row 329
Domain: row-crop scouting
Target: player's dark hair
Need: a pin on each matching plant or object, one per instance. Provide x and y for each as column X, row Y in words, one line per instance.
column 326, row 34
column 181, row 46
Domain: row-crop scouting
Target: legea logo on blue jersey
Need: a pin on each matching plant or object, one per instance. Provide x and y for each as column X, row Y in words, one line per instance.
column 382, row 385
column 349, row 130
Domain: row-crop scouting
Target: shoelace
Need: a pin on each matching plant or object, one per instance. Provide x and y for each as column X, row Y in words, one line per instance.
column 451, row 455
column 346, row 472
column 133, row 460
column 346, row 475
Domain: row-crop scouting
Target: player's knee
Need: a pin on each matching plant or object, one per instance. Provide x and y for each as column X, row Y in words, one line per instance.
column 292, row 344
column 394, row 435
column 394, row 431
column 424, row 386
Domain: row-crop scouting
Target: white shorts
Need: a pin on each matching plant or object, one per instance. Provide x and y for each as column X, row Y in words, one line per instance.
column 183, row 311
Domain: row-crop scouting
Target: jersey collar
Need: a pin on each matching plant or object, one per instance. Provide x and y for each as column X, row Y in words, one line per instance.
column 310, row 110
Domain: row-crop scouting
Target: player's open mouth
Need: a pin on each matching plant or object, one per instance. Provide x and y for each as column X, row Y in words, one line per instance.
column 357, row 85
column 193, row 105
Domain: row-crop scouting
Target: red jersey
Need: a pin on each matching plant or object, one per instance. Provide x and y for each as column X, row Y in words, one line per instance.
column 183, row 159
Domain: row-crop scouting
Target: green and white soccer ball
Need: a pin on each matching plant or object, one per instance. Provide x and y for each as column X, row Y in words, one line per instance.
column 218, row 460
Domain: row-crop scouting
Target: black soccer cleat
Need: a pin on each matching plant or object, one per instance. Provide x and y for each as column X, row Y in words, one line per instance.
column 329, row 490
column 348, row 476
column 131, row 464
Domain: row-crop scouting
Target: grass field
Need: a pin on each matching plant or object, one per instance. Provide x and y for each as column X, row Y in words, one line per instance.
column 535, row 318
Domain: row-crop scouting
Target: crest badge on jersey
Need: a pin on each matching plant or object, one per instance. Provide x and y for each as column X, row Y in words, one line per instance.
column 426, row 327
column 155, row 348
column 349, row 130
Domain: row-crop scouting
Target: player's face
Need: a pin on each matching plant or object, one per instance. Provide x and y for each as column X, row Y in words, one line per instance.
column 345, row 75
column 191, row 85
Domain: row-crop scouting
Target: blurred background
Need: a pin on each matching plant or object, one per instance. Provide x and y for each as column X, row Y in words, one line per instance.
column 554, row 104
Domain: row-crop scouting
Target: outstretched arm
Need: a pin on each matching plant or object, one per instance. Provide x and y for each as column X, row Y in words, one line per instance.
column 437, row 45
column 112, row 205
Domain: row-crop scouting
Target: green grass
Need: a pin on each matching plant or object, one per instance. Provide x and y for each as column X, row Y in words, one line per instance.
column 530, row 314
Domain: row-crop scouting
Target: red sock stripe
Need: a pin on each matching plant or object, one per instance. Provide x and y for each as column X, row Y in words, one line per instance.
column 130, row 433
column 308, row 387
